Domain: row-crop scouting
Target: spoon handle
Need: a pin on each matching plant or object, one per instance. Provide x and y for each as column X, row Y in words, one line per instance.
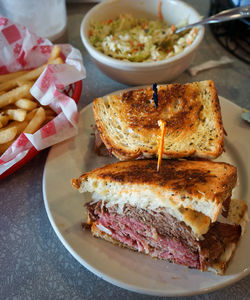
column 225, row 15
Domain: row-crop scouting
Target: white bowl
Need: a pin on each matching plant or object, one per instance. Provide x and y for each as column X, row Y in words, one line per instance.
column 137, row 73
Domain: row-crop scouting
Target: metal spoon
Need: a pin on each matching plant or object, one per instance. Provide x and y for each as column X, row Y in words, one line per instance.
column 223, row 16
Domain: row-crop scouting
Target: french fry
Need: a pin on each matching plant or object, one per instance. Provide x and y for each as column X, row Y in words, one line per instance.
column 56, row 61
column 22, row 82
column 30, row 75
column 15, row 94
column 55, row 53
column 4, row 119
column 29, row 96
column 36, row 121
column 20, row 126
column 19, row 111
column 17, row 114
column 26, row 104
column 10, row 76
column 7, row 134
column 31, row 114
column 7, row 85
column 9, row 106
column 34, row 74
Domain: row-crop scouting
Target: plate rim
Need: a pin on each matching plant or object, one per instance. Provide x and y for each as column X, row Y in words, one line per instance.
column 112, row 280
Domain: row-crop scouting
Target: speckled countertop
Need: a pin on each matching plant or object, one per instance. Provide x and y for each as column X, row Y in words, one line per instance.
column 33, row 262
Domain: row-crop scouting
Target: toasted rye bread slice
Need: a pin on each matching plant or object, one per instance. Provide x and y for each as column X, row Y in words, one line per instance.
column 201, row 186
column 237, row 215
column 128, row 123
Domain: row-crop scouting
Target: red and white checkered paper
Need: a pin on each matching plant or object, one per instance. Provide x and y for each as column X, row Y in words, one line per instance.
column 21, row 49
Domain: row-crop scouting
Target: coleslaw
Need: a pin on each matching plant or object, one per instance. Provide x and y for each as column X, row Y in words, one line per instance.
column 138, row 39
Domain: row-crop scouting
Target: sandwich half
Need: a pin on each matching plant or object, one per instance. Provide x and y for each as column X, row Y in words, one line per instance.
column 183, row 213
column 128, row 124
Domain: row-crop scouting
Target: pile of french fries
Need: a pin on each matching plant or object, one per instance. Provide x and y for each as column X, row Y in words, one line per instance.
column 19, row 110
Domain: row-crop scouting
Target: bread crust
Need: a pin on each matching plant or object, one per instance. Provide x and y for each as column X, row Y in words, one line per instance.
column 128, row 124
column 201, row 186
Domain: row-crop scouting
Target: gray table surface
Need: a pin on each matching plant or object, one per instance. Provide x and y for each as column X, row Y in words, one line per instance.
column 33, row 262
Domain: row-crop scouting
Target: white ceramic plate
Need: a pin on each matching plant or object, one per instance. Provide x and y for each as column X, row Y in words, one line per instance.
column 123, row 267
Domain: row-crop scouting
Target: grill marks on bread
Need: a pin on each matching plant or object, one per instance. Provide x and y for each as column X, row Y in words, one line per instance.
column 189, row 176
column 128, row 123
column 169, row 174
column 200, row 186
column 178, row 105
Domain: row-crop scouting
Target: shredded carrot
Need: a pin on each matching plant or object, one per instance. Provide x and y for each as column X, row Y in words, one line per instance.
column 90, row 32
column 141, row 45
column 173, row 28
column 160, row 17
column 162, row 125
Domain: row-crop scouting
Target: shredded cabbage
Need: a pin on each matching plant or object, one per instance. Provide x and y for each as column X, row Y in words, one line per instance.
column 138, row 40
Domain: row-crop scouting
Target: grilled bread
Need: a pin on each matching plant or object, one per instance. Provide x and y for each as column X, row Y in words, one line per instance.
column 128, row 123
column 186, row 188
